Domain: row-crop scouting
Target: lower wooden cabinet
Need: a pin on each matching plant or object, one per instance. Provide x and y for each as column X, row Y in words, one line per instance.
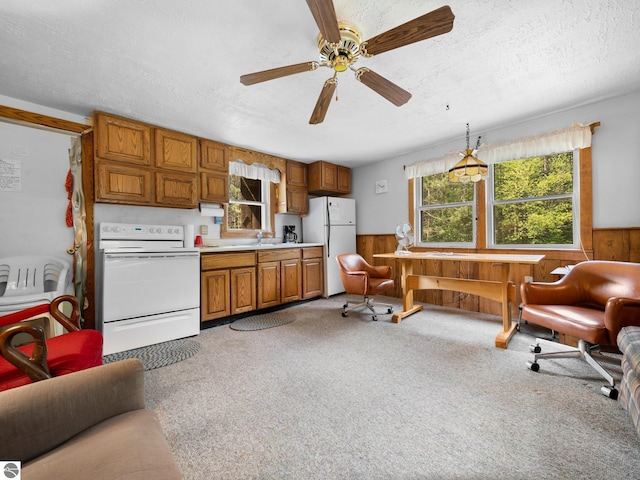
column 243, row 289
column 312, row 272
column 279, row 277
column 240, row 282
column 228, row 284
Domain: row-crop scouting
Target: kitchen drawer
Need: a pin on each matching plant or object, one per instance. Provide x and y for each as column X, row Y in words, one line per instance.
column 278, row 254
column 312, row 252
column 212, row 261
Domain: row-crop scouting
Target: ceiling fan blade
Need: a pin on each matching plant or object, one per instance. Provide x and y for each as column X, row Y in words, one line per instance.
column 382, row 86
column 257, row 77
column 322, row 105
column 325, row 16
column 430, row 25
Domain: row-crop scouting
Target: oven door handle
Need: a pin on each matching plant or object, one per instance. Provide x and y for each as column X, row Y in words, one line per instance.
column 154, row 255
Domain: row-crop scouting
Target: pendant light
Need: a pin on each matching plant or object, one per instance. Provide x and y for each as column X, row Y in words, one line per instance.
column 470, row 168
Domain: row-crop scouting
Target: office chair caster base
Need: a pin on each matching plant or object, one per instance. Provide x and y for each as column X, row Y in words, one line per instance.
column 609, row 392
column 344, row 314
column 533, row 366
column 535, row 348
column 374, row 318
column 390, row 310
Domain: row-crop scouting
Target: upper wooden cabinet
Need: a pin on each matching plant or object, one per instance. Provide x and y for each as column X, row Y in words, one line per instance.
column 175, row 151
column 129, row 169
column 329, row 179
column 214, row 156
column 297, row 174
column 292, row 190
column 214, row 172
column 122, row 140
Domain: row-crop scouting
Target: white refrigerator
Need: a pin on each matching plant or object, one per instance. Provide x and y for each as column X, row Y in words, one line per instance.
column 332, row 222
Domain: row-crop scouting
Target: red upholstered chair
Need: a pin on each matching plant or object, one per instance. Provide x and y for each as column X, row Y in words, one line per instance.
column 593, row 302
column 45, row 358
column 360, row 278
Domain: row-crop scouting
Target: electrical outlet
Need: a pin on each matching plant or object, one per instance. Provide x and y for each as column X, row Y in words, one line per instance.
column 204, row 229
column 528, row 279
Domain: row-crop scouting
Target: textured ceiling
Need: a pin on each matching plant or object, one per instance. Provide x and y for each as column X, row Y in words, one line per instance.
column 177, row 64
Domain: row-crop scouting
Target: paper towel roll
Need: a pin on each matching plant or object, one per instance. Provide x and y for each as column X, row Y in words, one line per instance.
column 189, row 235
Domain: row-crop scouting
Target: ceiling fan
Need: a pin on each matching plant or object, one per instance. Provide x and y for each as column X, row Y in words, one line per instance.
column 340, row 45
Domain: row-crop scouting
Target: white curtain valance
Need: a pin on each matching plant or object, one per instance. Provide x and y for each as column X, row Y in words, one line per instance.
column 562, row 140
column 254, row 171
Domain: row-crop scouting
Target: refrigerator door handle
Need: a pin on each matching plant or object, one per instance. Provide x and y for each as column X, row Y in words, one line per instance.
column 328, row 229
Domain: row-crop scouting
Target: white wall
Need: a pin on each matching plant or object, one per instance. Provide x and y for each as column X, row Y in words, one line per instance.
column 616, row 166
column 33, row 219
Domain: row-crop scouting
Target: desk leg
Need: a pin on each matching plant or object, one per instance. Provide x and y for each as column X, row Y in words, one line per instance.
column 508, row 329
column 407, row 295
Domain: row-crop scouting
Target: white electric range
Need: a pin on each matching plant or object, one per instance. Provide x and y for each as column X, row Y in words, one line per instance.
column 148, row 285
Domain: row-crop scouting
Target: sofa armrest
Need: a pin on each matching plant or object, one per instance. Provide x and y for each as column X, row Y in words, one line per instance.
column 38, row 417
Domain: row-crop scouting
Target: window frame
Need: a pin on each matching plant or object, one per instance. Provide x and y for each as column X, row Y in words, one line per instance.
column 419, row 208
column 268, row 192
column 575, row 210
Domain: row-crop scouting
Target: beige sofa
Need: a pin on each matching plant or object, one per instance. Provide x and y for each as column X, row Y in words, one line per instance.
column 90, row 424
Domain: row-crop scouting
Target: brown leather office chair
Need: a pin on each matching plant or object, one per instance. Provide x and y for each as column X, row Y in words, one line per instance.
column 360, row 278
column 592, row 303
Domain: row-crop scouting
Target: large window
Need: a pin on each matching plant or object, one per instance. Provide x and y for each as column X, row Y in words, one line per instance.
column 248, row 207
column 533, row 201
column 446, row 212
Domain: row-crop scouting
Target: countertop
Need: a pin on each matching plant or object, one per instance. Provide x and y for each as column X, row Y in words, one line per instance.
column 264, row 246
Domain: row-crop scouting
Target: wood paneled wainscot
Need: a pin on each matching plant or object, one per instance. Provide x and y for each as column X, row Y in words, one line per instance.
column 228, row 284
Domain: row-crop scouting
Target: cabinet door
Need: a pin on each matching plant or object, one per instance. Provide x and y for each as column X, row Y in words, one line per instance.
column 297, row 200
column 176, row 190
column 214, row 156
column 344, row 179
column 121, row 184
column 268, row 284
column 215, row 295
column 243, row 290
column 214, row 187
column 296, row 174
column 291, row 280
column 311, row 278
column 175, row 151
column 122, row 140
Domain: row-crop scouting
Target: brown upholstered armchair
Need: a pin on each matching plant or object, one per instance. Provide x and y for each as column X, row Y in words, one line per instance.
column 592, row 302
column 360, row 278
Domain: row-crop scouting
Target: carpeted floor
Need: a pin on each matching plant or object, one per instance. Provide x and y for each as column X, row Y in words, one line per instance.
column 159, row 354
column 327, row 397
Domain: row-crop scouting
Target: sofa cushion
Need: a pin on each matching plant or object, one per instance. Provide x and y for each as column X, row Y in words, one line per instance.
column 629, row 345
column 126, row 447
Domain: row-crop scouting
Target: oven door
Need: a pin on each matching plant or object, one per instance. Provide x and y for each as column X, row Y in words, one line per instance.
column 148, row 283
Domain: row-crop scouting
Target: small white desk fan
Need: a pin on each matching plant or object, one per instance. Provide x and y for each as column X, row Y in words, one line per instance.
column 404, row 238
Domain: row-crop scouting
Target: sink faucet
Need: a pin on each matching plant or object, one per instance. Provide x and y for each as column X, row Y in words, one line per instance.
column 259, row 238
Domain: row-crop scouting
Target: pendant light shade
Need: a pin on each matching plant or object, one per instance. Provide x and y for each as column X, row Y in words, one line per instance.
column 470, row 168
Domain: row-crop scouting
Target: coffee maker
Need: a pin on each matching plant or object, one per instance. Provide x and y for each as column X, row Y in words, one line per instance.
column 289, row 235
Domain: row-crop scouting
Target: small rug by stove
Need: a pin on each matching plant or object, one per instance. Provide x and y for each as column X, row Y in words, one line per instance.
column 262, row 321
column 160, row 354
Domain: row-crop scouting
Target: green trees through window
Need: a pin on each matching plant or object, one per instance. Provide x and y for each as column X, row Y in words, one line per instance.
column 529, row 202
column 446, row 210
column 533, row 201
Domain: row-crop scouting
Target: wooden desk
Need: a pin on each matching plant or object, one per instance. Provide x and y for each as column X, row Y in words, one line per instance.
column 502, row 291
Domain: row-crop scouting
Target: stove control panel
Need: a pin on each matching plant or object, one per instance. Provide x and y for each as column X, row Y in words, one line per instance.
column 137, row 231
